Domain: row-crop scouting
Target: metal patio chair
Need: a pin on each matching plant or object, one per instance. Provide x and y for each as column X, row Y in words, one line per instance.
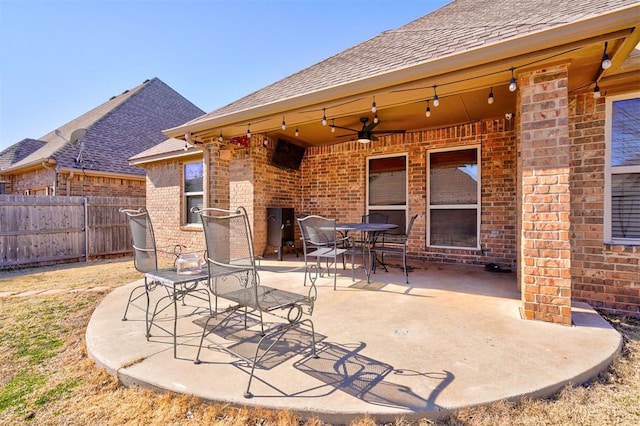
column 395, row 244
column 145, row 260
column 233, row 277
column 320, row 242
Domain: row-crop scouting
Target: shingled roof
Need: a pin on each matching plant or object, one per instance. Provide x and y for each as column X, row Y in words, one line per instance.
column 19, row 151
column 116, row 130
column 460, row 26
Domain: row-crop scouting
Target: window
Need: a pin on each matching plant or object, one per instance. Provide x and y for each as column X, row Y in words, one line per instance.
column 622, row 176
column 454, row 198
column 193, row 195
column 387, row 189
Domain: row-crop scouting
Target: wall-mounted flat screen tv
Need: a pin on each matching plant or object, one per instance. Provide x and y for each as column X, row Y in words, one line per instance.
column 287, row 155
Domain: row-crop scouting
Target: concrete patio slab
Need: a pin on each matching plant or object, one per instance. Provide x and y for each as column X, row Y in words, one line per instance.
column 452, row 338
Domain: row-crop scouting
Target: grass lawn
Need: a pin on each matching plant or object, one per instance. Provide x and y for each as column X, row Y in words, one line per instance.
column 46, row 377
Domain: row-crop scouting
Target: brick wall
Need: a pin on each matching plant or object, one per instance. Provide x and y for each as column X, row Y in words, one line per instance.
column 545, row 247
column 164, row 203
column 606, row 276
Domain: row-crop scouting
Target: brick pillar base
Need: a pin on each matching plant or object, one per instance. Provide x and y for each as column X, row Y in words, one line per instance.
column 545, row 249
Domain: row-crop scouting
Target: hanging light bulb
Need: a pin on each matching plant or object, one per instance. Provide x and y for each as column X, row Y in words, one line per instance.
column 490, row 98
column 220, row 138
column 606, row 61
column 248, row 131
column 375, row 118
column 374, row 108
column 324, row 117
column 512, row 83
column 297, row 132
column 333, row 125
column 596, row 92
column 436, row 100
column 428, row 111
column 284, row 125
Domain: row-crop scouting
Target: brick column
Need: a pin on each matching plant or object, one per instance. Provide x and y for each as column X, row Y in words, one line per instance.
column 218, row 177
column 545, row 249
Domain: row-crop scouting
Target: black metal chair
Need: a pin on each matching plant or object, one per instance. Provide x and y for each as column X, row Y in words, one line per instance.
column 394, row 244
column 145, row 260
column 233, row 277
column 320, row 242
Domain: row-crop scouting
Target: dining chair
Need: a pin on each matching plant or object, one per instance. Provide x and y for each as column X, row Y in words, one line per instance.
column 395, row 244
column 320, row 241
column 145, row 260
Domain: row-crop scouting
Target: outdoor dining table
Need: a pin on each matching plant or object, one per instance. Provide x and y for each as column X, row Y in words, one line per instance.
column 371, row 231
column 181, row 284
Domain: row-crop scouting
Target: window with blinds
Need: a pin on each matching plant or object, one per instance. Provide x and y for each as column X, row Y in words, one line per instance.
column 387, row 188
column 192, row 191
column 622, row 213
column 453, row 199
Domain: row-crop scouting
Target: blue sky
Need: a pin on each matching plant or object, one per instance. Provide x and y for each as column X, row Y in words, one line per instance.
column 61, row 58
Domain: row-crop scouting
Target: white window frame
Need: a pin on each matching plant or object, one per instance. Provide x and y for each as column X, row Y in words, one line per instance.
column 186, row 195
column 477, row 206
column 404, row 207
column 609, row 171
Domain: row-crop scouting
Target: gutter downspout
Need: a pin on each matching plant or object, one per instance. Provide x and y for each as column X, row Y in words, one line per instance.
column 45, row 163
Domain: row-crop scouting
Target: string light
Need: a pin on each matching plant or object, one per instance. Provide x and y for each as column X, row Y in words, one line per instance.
column 248, row 131
column 512, row 83
column 333, row 125
column 324, row 117
column 428, row 111
column 596, row 92
column 373, row 106
column 606, row 62
column 490, row 98
column 375, row 118
column 297, row 132
column 220, row 138
column 284, row 125
column 436, row 101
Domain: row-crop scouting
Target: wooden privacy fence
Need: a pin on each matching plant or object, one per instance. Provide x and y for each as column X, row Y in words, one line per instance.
column 37, row 230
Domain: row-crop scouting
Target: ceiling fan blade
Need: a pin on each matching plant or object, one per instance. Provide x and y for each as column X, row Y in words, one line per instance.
column 369, row 127
column 343, row 128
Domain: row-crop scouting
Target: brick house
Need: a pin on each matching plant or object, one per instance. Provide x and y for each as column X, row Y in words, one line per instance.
column 88, row 155
column 520, row 145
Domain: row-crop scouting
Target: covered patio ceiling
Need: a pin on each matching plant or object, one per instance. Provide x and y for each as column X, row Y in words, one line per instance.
column 463, row 82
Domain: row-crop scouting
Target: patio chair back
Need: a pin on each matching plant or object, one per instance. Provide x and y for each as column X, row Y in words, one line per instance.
column 145, row 258
column 230, row 254
column 395, row 244
column 375, row 217
column 320, row 242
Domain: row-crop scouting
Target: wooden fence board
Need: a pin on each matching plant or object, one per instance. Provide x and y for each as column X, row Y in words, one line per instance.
column 41, row 229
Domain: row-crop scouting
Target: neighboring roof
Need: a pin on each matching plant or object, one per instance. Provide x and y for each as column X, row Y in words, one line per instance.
column 19, row 151
column 460, row 26
column 171, row 148
column 116, row 130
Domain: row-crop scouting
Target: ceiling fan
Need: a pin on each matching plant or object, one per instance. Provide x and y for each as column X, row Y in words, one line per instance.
column 367, row 134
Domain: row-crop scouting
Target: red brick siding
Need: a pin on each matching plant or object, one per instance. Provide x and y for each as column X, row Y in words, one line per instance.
column 606, row 276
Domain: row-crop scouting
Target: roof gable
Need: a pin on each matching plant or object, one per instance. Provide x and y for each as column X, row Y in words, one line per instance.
column 17, row 152
column 458, row 27
column 118, row 129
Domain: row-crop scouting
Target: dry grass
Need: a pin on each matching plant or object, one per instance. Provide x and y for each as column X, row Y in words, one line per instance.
column 46, row 377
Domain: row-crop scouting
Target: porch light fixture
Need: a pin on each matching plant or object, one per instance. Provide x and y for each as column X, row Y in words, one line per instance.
column 220, row 138
column 249, row 131
column 490, row 98
column 596, row 92
column 428, row 111
column 436, row 101
column 512, row 83
column 606, row 62
column 284, row 125
column 373, row 106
